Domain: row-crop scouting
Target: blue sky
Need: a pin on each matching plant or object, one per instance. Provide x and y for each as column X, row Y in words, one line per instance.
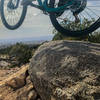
column 36, row 24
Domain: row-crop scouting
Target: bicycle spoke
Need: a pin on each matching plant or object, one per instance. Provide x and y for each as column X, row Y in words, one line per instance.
column 93, row 12
column 12, row 16
column 87, row 17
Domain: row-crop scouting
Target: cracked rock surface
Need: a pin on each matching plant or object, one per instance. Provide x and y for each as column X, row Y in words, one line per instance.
column 17, row 85
column 66, row 70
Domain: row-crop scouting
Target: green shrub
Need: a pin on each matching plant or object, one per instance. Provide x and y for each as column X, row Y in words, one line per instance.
column 19, row 53
column 93, row 37
column 58, row 36
column 22, row 53
column 5, row 50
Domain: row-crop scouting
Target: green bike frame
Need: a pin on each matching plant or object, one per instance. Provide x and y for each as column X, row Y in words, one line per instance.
column 43, row 6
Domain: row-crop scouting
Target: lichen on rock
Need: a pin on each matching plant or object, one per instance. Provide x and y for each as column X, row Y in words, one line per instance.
column 66, row 70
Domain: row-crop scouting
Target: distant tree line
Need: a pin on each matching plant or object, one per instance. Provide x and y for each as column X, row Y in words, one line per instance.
column 19, row 52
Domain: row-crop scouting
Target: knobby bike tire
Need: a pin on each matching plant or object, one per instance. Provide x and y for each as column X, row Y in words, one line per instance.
column 66, row 32
column 19, row 23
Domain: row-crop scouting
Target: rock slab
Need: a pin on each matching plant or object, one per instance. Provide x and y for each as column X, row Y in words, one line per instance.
column 18, row 86
column 66, row 70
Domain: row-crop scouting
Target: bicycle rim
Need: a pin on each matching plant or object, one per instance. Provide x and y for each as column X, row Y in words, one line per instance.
column 12, row 19
column 89, row 20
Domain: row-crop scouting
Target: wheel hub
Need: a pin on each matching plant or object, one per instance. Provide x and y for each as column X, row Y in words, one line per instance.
column 13, row 4
column 78, row 6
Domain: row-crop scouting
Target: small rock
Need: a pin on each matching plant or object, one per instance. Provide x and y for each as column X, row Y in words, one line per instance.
column 4, row 64
column 32, row 95
column 16, row 83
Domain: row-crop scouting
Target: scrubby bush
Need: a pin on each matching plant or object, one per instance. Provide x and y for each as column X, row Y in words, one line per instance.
column 93, row 37
column 5, row 50
column 21, row 52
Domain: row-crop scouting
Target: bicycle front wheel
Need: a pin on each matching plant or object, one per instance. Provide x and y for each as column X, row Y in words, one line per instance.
column 12, row 13
column 88, row 19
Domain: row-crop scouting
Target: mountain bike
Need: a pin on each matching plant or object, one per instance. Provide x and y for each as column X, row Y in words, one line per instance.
column 69, row 17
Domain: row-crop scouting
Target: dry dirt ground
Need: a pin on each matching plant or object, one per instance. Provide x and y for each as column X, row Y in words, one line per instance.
column 15, row 84
column 5, row 73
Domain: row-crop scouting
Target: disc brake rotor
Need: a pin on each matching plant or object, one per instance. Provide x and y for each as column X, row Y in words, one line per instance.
column 76, row 8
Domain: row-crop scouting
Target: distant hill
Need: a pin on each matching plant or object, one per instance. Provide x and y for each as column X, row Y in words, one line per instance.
column 37, row 40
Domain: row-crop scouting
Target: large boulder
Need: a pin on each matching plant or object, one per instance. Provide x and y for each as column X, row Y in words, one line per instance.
column 66, row 70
